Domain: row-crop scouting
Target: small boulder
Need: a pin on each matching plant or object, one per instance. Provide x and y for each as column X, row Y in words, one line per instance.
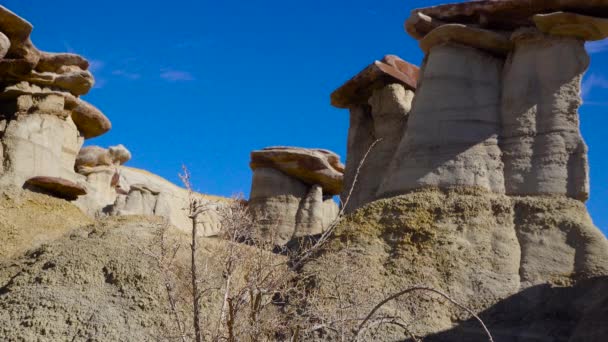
column 90, row 121
column 311, row 166
column 93, row 156
column 55, row 186
column 52, row 62
column 72, row 79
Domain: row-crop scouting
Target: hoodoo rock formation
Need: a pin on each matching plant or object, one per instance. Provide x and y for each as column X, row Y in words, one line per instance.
column 292, row 191
column 468, row 175
column 493, row 122
column 508, row 77
column 44, row 123
column 380, row 99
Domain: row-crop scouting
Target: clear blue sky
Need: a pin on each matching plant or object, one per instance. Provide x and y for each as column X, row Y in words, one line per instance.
column 203, row 83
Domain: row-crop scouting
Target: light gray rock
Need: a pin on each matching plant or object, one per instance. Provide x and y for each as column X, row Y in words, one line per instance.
column 315, row 213
column 274, row 202
column 452, row 131
column 144, row 193
column 92, row 156
column 385, row 120
column 360, row 138
column 38, row 139
column 284, row 208
column 544, row 152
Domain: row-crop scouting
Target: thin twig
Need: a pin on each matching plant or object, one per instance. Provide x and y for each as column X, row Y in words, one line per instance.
column 422, row 288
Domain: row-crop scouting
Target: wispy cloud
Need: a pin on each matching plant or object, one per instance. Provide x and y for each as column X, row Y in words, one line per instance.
column 176, row 75
column 591, row 82
column 126, row 74
column 597, row 47
column 100, row 83
column 96, row 65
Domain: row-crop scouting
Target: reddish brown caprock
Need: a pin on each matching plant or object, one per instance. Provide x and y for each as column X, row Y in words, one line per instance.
column 311, row 166
column 391, row 69
column 497, row 15
column 55, row 186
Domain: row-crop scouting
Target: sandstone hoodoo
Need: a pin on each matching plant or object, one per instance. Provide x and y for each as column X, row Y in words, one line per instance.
column 466, row 177
column 379, row 99
column 43, row 123
column 495, row 113
column 292, row 191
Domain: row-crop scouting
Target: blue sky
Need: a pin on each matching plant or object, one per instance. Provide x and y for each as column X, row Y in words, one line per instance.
column 203, row 83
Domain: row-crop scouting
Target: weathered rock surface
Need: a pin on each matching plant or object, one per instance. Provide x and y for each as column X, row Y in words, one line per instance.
column 311, row 166
column 100, row 282
column 292, row 191
column 30, row 219
column 391, row 69
column 379, row 99
column 143, row 193
column 543, row 150
column 452, row 142
column 57, row 187
column 91, row 156
column 43, row 123
column 43, row 143
column 91, row 122
column 381, row 122
column 505, row 257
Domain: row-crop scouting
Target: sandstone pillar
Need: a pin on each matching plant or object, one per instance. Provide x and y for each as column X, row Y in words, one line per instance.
column 379, row 99
column 452, row 131
column 544, row 152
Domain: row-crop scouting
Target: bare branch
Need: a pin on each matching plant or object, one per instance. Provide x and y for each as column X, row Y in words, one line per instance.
column 427, row 289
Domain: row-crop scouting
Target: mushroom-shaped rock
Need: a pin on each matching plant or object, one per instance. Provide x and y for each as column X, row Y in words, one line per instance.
column 497, row 15
column 55, row 186
column 53, row 62
column 90, row 121
column 391, row 69
column 311, row 166
column 487, row 40
column 92, row 156
column 572, row 25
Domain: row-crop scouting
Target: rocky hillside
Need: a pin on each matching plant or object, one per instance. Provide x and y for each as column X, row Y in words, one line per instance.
column 462, row 218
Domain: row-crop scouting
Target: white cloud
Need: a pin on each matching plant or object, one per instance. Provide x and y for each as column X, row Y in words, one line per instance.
column 96, row 65
column 126, row 74
column 591, row 82
column 176, row 75
column 597, row 47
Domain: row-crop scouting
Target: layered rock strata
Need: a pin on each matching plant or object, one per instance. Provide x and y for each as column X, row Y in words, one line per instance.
column 379, row 99
column 43, row 122
column 496, row 106
column 292, row 191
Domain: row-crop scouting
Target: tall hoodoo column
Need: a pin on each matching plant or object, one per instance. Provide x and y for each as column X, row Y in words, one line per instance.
column 379, row 99
column 544, row 152
column 453, row 128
